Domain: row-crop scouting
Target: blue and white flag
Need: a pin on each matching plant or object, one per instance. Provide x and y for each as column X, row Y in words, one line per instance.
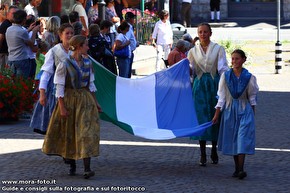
column 159, row 106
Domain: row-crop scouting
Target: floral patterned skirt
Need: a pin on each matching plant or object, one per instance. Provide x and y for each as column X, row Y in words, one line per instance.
column 78, row 135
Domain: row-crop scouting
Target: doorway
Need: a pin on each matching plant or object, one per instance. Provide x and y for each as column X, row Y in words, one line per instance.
column 252, row 8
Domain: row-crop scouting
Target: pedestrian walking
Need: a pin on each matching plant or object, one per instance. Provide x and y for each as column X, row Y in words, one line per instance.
column 186, row 13
column 208, row 61
column 74, row 132
column 237, row 98
column 162, row 39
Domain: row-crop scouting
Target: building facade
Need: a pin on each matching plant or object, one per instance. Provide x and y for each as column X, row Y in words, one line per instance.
column 249, row 9
column 230, row 9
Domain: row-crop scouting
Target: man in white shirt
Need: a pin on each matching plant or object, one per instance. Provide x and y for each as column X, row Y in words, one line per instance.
column 31, row 7
column 186, row 13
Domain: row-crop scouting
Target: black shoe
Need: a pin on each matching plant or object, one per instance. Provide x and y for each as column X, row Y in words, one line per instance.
column 214, row 158
column 242, row 175
column 235, row 174
column 39, row 131
column 89, row 174
column 72, row 170
column 202, row 161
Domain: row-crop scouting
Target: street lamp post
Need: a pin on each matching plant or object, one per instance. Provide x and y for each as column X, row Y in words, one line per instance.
column 278, row 45
column 101, row 9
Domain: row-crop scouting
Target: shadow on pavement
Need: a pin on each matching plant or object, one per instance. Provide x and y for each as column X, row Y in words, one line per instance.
column 272, row 122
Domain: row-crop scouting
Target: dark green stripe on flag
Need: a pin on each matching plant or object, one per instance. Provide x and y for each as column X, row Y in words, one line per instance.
column 105, row 82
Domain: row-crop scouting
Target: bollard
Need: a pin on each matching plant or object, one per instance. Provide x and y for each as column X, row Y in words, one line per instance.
column 278, row 57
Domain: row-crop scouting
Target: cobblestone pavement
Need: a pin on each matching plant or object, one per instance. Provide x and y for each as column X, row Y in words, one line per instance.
column 131, row 164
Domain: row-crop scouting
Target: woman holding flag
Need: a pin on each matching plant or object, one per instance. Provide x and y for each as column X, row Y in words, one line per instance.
column 74, row 130
column 208, row 61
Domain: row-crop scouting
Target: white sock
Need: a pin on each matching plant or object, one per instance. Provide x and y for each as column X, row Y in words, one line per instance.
column 212, row 15
column 218, row 14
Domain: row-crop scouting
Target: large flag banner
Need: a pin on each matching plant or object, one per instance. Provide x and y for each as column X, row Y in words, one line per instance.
column 158, row 106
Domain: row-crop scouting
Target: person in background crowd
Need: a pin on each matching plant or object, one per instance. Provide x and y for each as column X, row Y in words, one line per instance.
column 74, row 130
column 43, row 48
column 187, row 37
column 31, row 52
column 162, row 39
column 108, row 60
column 119, row 6
column 87, row 5
column 151, row 5
column 237, row 98
column 3, row 43
column 46, row 103
column 18, row 41
column 121, row 42
column 186, row 13
column 100, row 45
column 3, row 12
column 130, row 18
column 51, row 33
column 208, row 61
column 31, row 8
column 93, row 13
column 64, row 19
column 97, row 50
column 42, row 29
column 178, row 53
column 78, row 7
column 215, row 8
column 75, row 22
column 112, row 16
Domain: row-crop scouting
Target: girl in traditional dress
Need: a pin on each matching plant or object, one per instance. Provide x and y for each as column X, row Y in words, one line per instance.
column 44, row 107
column 237, row 99
column 74, row 131
column 208, row 62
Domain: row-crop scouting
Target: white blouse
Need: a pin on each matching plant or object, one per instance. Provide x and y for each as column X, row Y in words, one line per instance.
column 163, row 33
column 215, row 53
column 48, row 67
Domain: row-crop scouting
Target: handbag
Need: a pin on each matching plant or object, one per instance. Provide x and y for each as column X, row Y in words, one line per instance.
column 122, row 53
column 108, row 52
